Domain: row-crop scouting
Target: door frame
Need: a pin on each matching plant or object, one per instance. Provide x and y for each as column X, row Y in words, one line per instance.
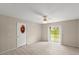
column 49, row 36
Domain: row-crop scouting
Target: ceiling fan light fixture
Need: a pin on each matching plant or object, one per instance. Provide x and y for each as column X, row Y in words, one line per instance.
column 45, row 19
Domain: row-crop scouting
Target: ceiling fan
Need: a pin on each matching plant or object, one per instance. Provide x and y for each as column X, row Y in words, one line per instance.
column 44, row 19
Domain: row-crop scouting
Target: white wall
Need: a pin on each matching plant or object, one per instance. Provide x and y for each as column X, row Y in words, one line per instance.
column 8, row 32
column 44, row 32
column 33, row 32
column 69, row 32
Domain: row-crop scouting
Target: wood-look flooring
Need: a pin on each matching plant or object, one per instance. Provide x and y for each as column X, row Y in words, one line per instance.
column 44, row 48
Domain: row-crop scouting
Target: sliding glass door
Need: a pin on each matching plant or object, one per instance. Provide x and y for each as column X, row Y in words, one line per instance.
column 55, row 34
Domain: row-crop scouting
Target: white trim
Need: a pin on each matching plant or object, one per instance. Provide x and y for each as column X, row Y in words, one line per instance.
column 49, row 34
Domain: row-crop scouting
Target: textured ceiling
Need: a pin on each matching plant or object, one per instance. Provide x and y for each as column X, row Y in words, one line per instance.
column 35, row 12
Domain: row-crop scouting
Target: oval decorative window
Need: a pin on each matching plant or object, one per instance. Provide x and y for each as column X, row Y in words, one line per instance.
column 22, row 29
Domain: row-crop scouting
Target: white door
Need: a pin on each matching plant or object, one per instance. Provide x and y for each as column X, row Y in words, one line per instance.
column 21, row 34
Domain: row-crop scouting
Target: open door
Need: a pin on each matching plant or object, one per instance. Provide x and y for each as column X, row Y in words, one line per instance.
column 21, row 34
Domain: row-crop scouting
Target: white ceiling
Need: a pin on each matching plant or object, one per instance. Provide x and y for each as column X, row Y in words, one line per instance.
column 35, row 12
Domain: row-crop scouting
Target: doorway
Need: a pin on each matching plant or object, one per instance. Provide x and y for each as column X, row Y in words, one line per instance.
column 55, row 34
column 21, row 34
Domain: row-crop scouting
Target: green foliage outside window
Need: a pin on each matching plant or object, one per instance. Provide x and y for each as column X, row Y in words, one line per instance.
column 54, row 33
